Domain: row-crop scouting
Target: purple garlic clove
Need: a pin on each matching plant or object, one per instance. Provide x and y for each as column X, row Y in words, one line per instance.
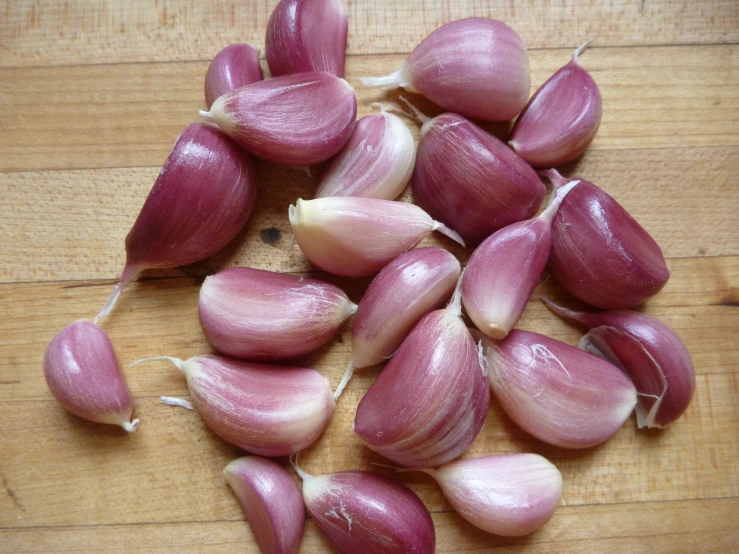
column 233, row 67
column 307, row 35
column 430, row 401
column 354, row 236
column 475, row 67
column 265, row 409
column 202, row 198
column 555, row 392
column 561, row 119
column 272, row 502
column 600, row 254
column 82, row 372
column 649, row 352
column 262, row 315
column 377, row 162
column 296, row 120
column 503, row 271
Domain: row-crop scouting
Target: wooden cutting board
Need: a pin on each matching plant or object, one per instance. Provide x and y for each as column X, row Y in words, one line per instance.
column 92, row 96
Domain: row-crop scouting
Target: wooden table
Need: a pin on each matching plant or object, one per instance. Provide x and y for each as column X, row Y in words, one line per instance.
column 93, row 94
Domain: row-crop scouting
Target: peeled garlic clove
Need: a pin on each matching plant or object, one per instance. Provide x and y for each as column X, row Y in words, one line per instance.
column 272, row 502
column 600, row 254
column 476, row 67
column 471, row 181
column 296, row 120
column 262, row 315
column 430, row 401
column 354, row 236
column 649, row 352
column 377, row 162
column 265, row 409
column 83, row 374
column 361, row 511
column 233, row 67
column 557, row 393
column 307, row 35
column 503, row 271
column 561, row 119
column 202, row 198
column 509, row 495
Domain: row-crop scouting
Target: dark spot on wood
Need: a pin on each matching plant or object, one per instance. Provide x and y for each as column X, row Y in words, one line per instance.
column 13, row 382
column 12, row 495
column 270, row 235
column 340, row 339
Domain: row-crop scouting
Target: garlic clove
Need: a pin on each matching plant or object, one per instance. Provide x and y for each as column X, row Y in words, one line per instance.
column 430, row 401
column 262, row 315
column 354, row 236
column 504, row 270
column 233, row 67
column 82, row 372
column 555, row 392
column 202, row 198
column 296, row 120
column 272, row 502
column 509, row 495
column 561, row 119
column 471, row 181
column 307, row 35
column 650, row 353
column 265, row 409
column 476, row 67
column 600, row 254
column 361, row 511
column 377, row 162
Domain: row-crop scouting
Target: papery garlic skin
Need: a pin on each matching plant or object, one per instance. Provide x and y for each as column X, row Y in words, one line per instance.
column 469, row 180
column 650, row 353
column 235, row 66
column 509, row 495
column 356, row 237
column 504, row 270
column 475, row 67
column 262, row 315
column 82, row 372
column 406, row 289
column 600, row 254
column 557, row 393
column 377, row 162
column 296, row 120
column 265, row 409
column 307, row 35
column 272, row 502
column 561, row 119
column 360, row 511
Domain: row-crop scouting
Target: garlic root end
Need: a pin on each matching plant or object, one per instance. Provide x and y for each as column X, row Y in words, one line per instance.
column 130, row 426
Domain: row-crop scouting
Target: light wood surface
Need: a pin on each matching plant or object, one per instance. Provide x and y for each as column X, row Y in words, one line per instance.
column 92, row 97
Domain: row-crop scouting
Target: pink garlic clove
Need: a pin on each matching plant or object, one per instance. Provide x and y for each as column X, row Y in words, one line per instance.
column 555, row 392
column 476, row 67
column 307, row 35
column 202, row 198
column 354, row 236
column 82, row 372
column 361, row 511
column 649, row 352
column 503, row 271
column 561, row 119
column 262, row 315
column 296, row 120
column 430, row 401
column 509, row 495
column 468, row 179
column 377, row 162
column 233, row 67
column 272, row 502
column 265, row 409
column 600, row 254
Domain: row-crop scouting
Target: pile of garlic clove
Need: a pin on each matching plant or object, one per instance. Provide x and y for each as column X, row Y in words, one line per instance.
column 431, row 399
